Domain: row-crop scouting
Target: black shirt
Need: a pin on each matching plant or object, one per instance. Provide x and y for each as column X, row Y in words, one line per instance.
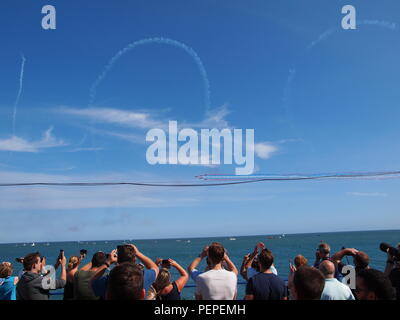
column 174, row 294
column 394, row 277
column 266, row 286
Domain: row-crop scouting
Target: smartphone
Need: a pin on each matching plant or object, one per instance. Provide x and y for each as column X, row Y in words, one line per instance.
column 165, row 263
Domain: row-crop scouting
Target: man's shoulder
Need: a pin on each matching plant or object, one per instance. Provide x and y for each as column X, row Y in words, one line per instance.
column 204, row 275
column 336, row 284
column 216, row 273
column 268, row 277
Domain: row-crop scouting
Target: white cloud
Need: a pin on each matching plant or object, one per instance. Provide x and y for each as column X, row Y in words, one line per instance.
column 146, row 119
column 18, row 144
column 215, row 118
column 132, row 119
column 367, row 194
column 264, row 150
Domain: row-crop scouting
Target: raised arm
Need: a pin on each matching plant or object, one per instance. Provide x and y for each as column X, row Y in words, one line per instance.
column 258, row 246
column 63, row 262
column 230, row 264
column 243, row 269
column 338, row 256
column 197, row 260
column 87, row 266
column 389, row 265
column 184, row 277
column 148, row 263
column 112, row 258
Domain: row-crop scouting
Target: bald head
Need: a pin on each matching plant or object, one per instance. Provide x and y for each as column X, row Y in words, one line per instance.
column 327, row 268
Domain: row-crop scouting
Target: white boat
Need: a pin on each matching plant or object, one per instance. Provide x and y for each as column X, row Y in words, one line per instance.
column 232, row 239
column 32, row 244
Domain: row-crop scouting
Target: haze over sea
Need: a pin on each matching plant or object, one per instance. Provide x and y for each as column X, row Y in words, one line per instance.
column 284, row 247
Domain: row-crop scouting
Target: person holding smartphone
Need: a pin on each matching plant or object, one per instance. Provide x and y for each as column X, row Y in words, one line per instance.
column 123, row 254
column 33, row 285
column 163, row 288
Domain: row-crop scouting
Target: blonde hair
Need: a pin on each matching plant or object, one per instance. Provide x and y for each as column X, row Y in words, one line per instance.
column 6, row 269
column 73, row 262
column 163, row 280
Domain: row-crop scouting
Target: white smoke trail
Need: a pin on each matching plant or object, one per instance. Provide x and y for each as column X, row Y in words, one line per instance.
column 382, row 23
column 21, row 80
column 167, row 41
column 385, row 24
column 322, row 37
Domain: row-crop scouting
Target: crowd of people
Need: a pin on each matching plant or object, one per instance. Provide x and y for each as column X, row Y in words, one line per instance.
column 127, row 274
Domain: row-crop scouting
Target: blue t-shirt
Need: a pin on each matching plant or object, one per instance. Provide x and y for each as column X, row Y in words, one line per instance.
column 99, row 286
column 266, row 286
column 194, row 274
column 8, row 289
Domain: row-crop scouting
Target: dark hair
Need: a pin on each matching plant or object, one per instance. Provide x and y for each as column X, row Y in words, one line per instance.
column 99, row 258
column 324, row 248
column 126, row 253
column 309, row 283
column 125, row 283
column 30, row 260
column 266, row 259
column 378, row 283
column 361, row 260
column 216, row 252
column 255, row 265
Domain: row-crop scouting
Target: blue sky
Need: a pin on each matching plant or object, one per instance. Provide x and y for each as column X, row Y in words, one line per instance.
column 320, row 99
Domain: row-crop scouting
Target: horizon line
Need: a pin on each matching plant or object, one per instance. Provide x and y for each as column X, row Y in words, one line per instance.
column 204, row 237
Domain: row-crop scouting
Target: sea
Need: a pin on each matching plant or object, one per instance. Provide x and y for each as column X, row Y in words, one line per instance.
column 184, row 250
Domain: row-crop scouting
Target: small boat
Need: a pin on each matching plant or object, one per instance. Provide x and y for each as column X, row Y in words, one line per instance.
column 32, row 244
column 232, row 239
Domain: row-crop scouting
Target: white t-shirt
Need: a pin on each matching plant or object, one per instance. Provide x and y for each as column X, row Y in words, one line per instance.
column 217, row 285
column 335, row 290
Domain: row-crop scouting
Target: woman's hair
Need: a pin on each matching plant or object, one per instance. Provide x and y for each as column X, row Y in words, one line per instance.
column 163, row 280
column 300, row 260
column 6, row 270
column 73, row 262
